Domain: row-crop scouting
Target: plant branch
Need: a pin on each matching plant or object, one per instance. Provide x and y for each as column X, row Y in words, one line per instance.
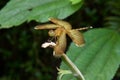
column 73, row 67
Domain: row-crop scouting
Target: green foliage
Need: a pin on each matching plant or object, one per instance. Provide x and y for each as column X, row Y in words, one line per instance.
column 114, row 20
column 18, row 11
column 99, row 58
column 22, row 58
column 21, row 55
column 106, row 60
column 75, row 1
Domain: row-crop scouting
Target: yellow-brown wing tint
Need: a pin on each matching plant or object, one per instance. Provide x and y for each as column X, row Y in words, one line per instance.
column 47, row 26
column 64, row 24
column 76, row 37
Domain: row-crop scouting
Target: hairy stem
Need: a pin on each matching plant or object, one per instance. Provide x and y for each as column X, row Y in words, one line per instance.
column 73, row 67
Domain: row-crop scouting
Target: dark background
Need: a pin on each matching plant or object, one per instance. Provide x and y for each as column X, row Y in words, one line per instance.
column 21, row 55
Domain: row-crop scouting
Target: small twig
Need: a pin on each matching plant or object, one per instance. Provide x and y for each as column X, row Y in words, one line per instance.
column 73, row 67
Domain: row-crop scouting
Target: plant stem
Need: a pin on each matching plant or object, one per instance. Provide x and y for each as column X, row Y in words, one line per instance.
column 73, row 67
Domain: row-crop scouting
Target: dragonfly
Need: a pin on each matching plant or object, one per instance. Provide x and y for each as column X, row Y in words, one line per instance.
column 59, row 29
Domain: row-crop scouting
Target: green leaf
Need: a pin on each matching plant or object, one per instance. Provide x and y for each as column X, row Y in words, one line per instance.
column 99, row 59
column 75, row 1
column 18, row 11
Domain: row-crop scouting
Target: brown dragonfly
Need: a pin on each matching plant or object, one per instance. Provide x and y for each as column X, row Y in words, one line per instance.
column 59, row 30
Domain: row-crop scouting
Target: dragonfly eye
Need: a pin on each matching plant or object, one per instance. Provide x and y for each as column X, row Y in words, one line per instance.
column 51, row 33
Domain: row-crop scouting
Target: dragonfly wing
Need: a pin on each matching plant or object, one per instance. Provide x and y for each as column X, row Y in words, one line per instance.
column 76, row 37
column 47, row 26
column 64, row 24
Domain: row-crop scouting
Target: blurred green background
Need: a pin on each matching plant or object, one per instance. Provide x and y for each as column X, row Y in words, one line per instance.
column 21, row 55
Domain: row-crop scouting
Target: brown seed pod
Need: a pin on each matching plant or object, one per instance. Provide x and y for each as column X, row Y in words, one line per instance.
column 76, row 37
column 64, row 24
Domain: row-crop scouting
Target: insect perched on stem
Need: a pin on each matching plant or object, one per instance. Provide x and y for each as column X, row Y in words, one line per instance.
column 59, row 30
